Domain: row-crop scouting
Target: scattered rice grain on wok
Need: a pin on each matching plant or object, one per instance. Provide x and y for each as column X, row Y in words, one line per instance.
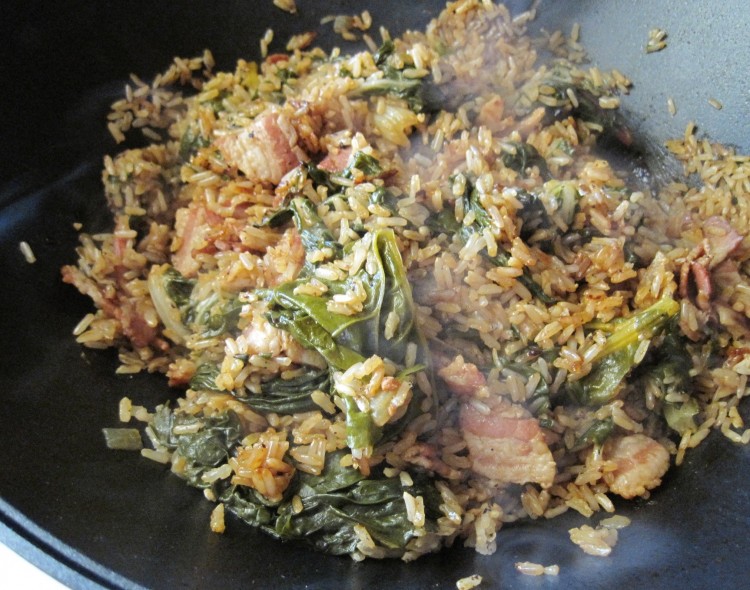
column 404, row 286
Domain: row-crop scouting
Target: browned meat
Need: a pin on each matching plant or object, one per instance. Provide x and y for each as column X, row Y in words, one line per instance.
column 507, row 445
column 264, row 152
column 641, row 463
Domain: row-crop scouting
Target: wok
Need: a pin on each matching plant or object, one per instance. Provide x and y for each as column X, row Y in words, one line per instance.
column 97, row 518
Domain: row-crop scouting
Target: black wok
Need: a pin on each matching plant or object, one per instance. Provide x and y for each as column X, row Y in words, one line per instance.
column 97, row 518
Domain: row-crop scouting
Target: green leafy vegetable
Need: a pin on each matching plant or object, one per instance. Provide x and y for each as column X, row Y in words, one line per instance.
column 421, row 94
column 205, row 377
column 533, row 214
column 314, row 233
column 596, row 434
column 618, row 356
column 667, row 373
column 184, row 311
column 524, row 364
column 346, row 339
column 341, row 498
column 123, row 439
column 523, row 157
column 191, row 141
column 612, row 122
column 205, row 442
column 169, row 293
column 332, row 503
column 366, row 163
column 290, row 396
column 214, row 315
column 446, row 222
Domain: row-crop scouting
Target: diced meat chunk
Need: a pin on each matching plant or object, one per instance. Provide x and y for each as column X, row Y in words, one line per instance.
column 462, row 378
column 720, row 240
column 117, row 304
column 336, row 161
column 265, row 151
column 507, row 445
column 641, row 463
column 192, row 229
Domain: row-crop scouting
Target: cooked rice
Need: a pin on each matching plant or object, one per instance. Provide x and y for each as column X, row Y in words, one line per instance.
column 525, row 250
column 529, row 568
column 289, row 6
column 656, row 40
column 27, row 252
column 469, row 582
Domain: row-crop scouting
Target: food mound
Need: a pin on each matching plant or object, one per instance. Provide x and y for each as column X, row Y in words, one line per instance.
column 405, row 294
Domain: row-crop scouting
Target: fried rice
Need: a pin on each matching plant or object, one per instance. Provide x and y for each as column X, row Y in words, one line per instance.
column 406, row 296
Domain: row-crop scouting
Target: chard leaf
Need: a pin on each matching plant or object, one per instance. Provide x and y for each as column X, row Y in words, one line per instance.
column 178, row 287
column 205, row 377
column 365, row 163
column 346, row 339
column 314, row 234
column 290, row 396
column 445, row 222
column 421, row 94
column 525, row 156
column 204, row 441
column 361, row 431
column 214, row 315
column 680, row 417
column 523, row 364
column 341, row 498
column 533, row 214
column 191, row 141
column 249, row 506
column 667, row 370
column 617, row 357
column 596, row 434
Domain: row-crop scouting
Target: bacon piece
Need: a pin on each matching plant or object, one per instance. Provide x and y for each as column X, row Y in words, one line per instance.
column 719, row 241
column 641, row 463
column 193, row 225
column 134, row 325
column 266, row 151
column 336, row 161
column 703, row 285
column 117, row 304
column 462, row 378
column 507, row 445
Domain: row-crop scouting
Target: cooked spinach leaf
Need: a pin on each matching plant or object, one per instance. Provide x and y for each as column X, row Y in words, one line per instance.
column 595, row 434
column 618, row 356
column 523, row 157
column 205, row 377
column 421, row 94
column 341, row 498
column 533, row 215
column 667, row 371
column 346, row 339
column 445, row 222
column 332, row 503
column 290, row 396
column 365, row 163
